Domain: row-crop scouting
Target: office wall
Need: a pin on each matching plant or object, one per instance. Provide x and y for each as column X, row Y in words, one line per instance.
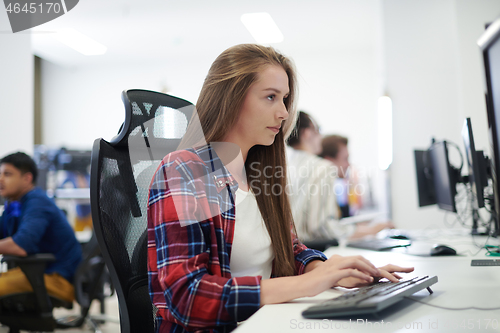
column 433, row 75
column 340, row 89
column 16, row 90
column 82, row 104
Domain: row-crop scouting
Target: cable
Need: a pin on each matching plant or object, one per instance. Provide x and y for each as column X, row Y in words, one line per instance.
column 459, row 152
column 463, row 209
column 492, row 253
column 454, row 309
column 446, row 223
column 484, row 246
column 479, row 246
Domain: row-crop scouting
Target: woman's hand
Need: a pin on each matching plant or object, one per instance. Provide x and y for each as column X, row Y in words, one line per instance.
column 325, row 275
column 320, row 276
column 387, row 271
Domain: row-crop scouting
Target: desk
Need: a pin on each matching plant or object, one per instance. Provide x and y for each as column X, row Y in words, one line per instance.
column 459, row 285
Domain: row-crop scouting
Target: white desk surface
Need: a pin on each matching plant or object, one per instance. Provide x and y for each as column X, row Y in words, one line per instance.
column 459, row 286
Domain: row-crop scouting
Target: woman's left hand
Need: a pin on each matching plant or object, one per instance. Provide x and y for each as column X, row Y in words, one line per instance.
column 387, row 271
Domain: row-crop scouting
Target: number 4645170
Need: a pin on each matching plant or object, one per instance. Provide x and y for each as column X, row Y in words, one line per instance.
column 48, row 7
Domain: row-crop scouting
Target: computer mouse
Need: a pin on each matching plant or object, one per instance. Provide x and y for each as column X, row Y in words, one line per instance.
column 442, row 250
column 401, row 236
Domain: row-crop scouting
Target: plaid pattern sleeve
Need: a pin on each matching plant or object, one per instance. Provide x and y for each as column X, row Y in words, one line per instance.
column 304, row 255
column 190, row 230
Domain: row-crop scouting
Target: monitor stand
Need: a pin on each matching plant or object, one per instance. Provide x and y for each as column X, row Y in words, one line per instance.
column 475, row 220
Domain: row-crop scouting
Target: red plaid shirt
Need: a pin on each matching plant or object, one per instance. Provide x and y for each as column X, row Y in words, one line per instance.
column 191, row 218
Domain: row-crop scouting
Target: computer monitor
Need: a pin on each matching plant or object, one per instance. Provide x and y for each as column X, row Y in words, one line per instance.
column 425, row 179
column 74, row 160
column 489, row 44
column 45, row 161
column 478, row 171
column 444, row 175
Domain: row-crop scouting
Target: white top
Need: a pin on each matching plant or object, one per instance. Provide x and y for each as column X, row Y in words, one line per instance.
column 251, row 254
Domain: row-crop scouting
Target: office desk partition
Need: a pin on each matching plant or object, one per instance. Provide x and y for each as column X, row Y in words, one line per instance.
column 459, row 286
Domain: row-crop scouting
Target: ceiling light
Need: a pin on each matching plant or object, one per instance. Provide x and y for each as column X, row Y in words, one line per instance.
column 80, row 42
column 262, row 27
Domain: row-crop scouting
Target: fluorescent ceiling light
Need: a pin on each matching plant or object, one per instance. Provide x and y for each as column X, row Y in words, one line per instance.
column 262, row 27
column 81, row 43
column 384, row 132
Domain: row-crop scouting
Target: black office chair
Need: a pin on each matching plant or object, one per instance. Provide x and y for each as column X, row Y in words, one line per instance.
column 121, row 173
column 32, row 311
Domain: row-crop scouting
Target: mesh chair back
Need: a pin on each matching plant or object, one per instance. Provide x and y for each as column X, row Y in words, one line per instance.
column 121, row 173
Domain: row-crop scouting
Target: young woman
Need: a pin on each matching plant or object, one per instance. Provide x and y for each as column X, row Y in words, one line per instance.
column 219, row 221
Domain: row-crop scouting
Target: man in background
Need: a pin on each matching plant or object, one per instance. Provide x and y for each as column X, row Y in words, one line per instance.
column 31, row 223
column 334, row 149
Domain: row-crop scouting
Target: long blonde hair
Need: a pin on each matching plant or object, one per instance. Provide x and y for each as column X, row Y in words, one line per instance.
column 220, row 101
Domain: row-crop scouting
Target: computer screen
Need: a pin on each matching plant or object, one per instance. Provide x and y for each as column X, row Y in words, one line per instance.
column 489, row 44
column 425, row 179
column 45, row 161
column 477, row 168
column 74, row 160
column 444, row 176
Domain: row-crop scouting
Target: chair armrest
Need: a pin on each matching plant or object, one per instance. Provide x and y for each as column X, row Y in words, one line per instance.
column 33, row 266
column 31, row 259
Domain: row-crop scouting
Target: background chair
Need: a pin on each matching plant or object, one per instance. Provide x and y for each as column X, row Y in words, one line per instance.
column 32, row 311
column 121, row 173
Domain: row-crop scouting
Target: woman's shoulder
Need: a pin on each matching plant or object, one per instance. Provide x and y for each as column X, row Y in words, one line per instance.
column 189, row 154
column 183, row 155
column 190, row 158
column 180, row 166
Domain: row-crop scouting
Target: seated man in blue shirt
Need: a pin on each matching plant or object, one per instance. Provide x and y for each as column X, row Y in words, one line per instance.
column 31, row 223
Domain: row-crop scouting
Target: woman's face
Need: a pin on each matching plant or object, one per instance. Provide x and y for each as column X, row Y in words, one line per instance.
column 263, row 110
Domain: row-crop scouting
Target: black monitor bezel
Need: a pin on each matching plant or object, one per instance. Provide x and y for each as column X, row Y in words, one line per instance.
column 450, row 175
column 475, row 177
column 425, row 181
column 489, row 38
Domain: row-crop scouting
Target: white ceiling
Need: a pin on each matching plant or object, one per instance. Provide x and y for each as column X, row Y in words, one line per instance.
column 153, row 31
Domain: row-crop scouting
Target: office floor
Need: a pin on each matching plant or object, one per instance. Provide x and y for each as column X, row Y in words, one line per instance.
column 112, row 313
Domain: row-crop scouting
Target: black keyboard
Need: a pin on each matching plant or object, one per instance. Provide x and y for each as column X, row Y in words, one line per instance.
column 485, row 262
column 378, row 244
column 369, row 299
